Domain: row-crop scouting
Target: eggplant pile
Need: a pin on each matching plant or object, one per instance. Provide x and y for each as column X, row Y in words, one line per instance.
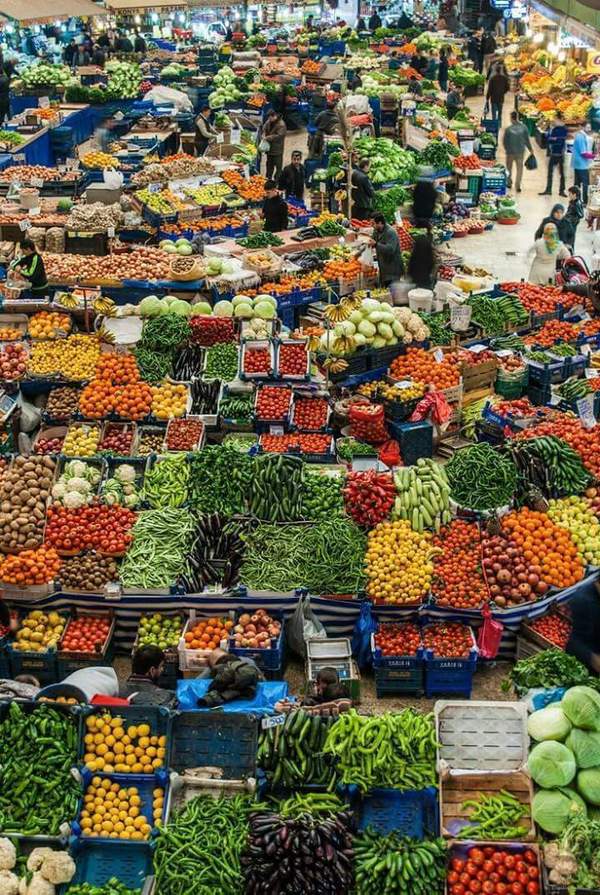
column 188, row 363
column 292, row 754
column 302, row 856
column 205, row 395
column 216, row 555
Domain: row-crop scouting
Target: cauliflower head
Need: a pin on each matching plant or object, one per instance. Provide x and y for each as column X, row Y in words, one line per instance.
column 8, row 854
column 37, row 856
column 9, row 883
column 58, row 867
column 37, row 886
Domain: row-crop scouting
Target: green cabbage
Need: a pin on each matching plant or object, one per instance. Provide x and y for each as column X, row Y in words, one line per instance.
column 551, row 764
column 585, row 746
column 150, row 306
column 553, row 808
column 581, row 705
column 548, row 724
column 588, row 785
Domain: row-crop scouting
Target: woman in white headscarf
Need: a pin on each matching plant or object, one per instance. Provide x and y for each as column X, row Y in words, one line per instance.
column 548, row 250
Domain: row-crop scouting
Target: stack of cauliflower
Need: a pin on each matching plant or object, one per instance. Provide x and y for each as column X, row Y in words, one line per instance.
column 77, row 486
column 45, row 869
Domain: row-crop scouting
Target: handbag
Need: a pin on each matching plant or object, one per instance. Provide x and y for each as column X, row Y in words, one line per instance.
column 531, row 162
column 264, row 146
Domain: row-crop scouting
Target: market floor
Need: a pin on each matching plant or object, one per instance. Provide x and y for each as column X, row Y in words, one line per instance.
column 506, row 251
column 487, row 685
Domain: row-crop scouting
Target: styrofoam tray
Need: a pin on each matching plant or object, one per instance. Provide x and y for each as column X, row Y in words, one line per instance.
column 328, row 648
column 481, row 736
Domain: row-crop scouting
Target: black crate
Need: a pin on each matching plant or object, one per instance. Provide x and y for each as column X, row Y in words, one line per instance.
column 215, row 739
column 88, row 244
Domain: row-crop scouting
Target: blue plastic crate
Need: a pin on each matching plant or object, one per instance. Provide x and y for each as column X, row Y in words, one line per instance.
column 446, row 675
column 539, row 396
column 43, row 666
column 415, row 439
column 157, row 717
column 578, row 364
column 215, row 739
column 269, row 661
column 413, row 813
column 544, row 375
column 98, row 861
column 405, row 678
column 144, row 784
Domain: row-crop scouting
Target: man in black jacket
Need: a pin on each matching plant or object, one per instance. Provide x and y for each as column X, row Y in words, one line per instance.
column 275, row 210
column 374, row 21
column 141, row 687
column 584, row 642
column 32, row 268
column 291, row 181
column 362, row 191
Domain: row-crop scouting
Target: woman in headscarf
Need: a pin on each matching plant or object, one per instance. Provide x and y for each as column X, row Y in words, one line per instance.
column 562, row 224
column 548, row 250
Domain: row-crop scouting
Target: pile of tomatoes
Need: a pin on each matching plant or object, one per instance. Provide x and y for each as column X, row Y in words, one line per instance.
column 551, row 332
column 310, row 414
column 541, row 299
column 448, row 640
column 458, row 580
column 555, row 627
column 184, row 435
column 96, row 527
column 293, row 359
column 494, row 871
column 257, row 360
column 402, row 639
column 86, row 634
column 273, row 402
column 208, row 330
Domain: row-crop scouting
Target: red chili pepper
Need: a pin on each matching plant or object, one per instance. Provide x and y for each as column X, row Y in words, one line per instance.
column 369, row 497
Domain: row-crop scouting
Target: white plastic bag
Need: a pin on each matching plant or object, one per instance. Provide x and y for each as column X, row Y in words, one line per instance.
column 302, row 625
column 167, row 96
column 113, row 180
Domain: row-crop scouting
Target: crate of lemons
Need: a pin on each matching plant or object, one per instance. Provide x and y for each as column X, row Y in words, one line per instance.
column 114, row 747
column 112, row 810
column 39, row 632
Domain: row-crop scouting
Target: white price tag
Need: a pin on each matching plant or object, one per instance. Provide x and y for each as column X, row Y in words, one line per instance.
column 19, row 157
column 398, row 217
column 273, row 721
column 154, row 187
column 477, row 349
column 405, row 383
column 438, row 355
column 592, row 373
column 24, row 225
column 585, row 409
column 236, row 136
column 586, row 349
column 363, row 464
column 37, row 181
column 275, row 430
column 323, row 187
column 460, row 316
column 220, row 138
column 110, row 232
column 503, row 352
column 44, row 102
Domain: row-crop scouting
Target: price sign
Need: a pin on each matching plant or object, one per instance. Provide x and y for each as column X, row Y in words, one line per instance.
column 477, row 349
column 503, row 352
column 236, row 136
column 460, row 316
column 24, row 225
column 586, row 349
column 323, row 187
column 110, row 232
column 19, row 157
column 154, row 187
column 220, row 138
column 592, row 373
column 37, row 181
column 364, row 464
column 405, row 383
column 398, row 217
column 438, row 355
column 275, row 430
column 44, row 102
column 585, row 409
column 273, row 721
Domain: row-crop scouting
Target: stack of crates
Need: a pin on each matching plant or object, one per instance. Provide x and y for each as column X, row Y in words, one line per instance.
column 397, row 674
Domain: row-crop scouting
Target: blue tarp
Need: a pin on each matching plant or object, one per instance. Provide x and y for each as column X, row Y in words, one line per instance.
column 267, row 694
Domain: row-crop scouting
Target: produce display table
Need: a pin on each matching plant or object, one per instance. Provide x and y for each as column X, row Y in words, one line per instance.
column 37, row 149
column 338, row 616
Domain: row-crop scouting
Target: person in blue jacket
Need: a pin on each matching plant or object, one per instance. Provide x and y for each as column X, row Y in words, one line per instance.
column 556, row 147
column 581, row 159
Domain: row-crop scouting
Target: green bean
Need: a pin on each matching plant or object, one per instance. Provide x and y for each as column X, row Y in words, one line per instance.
column 166, row 484
column 481, row 478
column 165, row 333
column 153, row 365
column 113, row 886
column 157, row 556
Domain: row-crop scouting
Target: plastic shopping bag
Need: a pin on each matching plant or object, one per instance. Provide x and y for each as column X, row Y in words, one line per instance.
column 490, row 635
column 302, row 625
column 361, row 636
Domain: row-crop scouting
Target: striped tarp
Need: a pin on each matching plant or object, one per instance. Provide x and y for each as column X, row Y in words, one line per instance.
column 338, row 616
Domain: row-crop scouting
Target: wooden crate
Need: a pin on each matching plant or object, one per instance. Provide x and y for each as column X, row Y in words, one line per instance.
column 455, row 789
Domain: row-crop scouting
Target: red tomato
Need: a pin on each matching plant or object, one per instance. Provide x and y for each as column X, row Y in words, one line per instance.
column 501, row 888
column 510, row 861
column 488, row 887
column 488, row 866
column 523, row 878
column 530, row 857
column 488, row 851
column 475, row 886
column 457, row 864
column 465, row 879
column 517, row 889
column 458, row 890
column 497, row 858
column 533, row 889
column 511, row 876
column 471, row 868
column 452, row 878
column 533, row 872
column 476, row 855
column 521, row 866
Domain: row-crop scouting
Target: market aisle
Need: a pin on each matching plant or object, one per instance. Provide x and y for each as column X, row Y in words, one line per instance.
column 504, row 252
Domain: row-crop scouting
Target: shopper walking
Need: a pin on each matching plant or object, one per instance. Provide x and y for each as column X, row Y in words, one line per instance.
column 515, row 141
column 274, row 133
column 581, row 158
column 362, row 191
column 563, row 226
column 556, row 142
column 443, row 69
column 422, row 263
column 575, row 211
column 204, row 131
column 275, row 210
column 498, row 87
column 291, row 181
column 387, row 250
column 548, row 249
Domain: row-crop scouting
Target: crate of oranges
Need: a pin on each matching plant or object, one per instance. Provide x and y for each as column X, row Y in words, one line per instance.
column 201, row 636
column 13, row 327
column 121, row 809
column 134, row 741
column 49, row 325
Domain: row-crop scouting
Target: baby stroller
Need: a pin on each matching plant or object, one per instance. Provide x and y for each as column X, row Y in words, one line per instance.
column 573, row 271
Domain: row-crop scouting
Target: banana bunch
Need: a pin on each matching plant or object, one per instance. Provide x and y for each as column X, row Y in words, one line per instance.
column 423, row 495
column 104, row 305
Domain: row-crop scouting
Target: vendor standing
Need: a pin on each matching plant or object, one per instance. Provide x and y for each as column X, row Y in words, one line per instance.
column 31, row 266
column 275, row 210
column 362, row 191
column 204, row 131
column 387, row 250
column 291, row 181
